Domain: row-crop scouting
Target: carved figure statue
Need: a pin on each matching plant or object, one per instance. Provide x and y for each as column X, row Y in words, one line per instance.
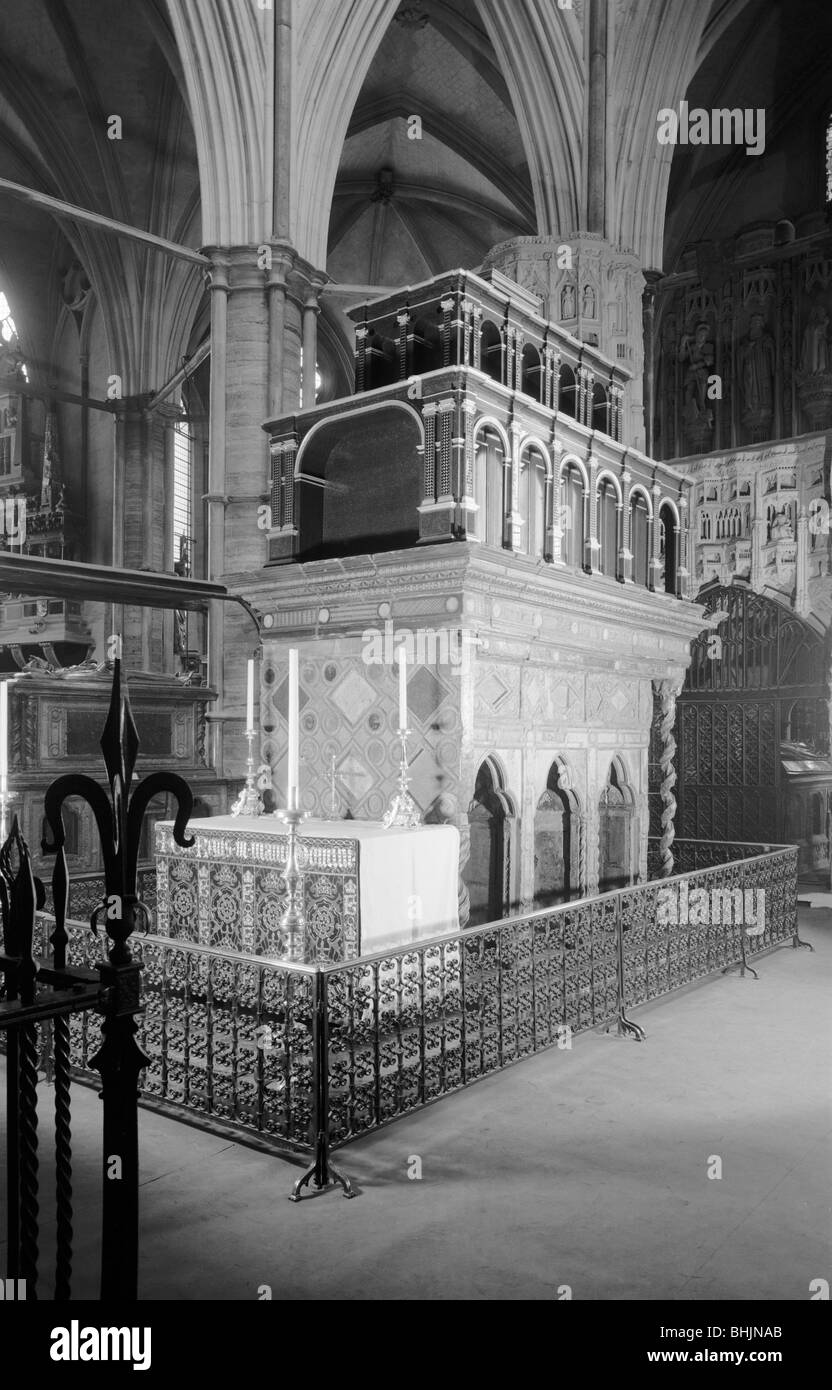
column 758, row 368
column 781, row 527
column 698, row 353
column 567, row 302
column 588, row 305
column 814, row 353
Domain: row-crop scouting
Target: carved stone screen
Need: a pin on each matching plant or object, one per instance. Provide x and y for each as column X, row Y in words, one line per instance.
column 735, row 711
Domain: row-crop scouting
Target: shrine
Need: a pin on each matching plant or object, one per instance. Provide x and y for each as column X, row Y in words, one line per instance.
column 415, row 613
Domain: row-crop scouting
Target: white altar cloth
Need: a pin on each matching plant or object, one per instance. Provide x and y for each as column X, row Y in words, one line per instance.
column 408, row 880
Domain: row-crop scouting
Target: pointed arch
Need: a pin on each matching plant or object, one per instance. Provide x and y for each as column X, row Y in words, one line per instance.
column 491, row 817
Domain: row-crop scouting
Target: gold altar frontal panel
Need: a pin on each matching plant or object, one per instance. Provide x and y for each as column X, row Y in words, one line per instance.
column 227, row 890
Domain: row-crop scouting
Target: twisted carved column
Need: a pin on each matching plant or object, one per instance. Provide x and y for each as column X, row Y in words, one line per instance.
column 667, row 691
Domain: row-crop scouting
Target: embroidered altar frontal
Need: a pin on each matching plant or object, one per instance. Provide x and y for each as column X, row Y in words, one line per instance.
column 364, row 888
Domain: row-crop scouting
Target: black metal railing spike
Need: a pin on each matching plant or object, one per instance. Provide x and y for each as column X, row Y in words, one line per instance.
column 20, row 897
column 119, row 1059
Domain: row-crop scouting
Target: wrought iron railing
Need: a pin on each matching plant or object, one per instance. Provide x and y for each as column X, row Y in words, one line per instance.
column 88, row 891
column 689, row 855
column 227, row 1036
column 48, row 989
column 310, row 1057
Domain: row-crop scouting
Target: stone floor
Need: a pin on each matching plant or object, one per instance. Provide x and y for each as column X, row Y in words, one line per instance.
column 587, row 1168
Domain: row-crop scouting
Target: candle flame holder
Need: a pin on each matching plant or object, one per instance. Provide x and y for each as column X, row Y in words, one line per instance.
column 249, row 802
column 293, row 920
column 403, row 810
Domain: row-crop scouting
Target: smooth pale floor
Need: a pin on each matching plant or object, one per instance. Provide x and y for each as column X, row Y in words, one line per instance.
column 586, row 1168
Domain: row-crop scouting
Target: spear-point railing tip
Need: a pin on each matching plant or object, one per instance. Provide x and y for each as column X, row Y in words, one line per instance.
column 119, row 738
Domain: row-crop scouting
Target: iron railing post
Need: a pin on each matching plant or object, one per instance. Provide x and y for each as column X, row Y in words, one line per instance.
column 625, row 1025
column 321, row 1171
column 119, row 1060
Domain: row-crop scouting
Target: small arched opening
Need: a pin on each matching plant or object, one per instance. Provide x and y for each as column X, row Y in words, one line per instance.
column 489, row 486
column 600, row 408
column 567, row 391
column 607, row 527
column 572, row 546
column 486, row 875
column 427, row 347
column 491, row 350
column 381, row 361
column 668, row 545
column 532, row 491
column 531, row 372
column 615, row 830
column 640, row 537
column 556, row 840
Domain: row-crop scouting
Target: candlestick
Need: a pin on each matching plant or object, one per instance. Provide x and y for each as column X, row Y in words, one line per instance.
column 403, row 809
column 249, row 802
column 293, row 920
column 294, row 732
column 402, row 657
column 250, row 699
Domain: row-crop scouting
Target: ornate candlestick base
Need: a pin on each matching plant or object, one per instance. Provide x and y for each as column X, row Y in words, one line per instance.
column 249, row 802
column 293, row 921
column 403, row 809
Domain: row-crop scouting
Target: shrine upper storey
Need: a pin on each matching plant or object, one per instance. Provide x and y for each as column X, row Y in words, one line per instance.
column 474, row 418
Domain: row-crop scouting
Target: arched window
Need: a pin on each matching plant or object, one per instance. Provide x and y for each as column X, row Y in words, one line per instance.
column 532, row 373
column 533, row 503
column 705, row 526
column 607, row 528
column 491, row 350
column 572, row 517
column 668, row 535
column 600, row 409
column 567, row 391
column 489, row 487
column 640, row 537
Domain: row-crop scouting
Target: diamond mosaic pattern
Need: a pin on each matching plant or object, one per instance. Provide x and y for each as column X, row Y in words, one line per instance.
column 350, row 713
column 354, row 697
column 424, row 694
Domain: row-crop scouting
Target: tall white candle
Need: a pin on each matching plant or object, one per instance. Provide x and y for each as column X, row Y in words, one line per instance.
column 294, row 732
column 250, row 699
column 402, row 655
column 4, row 729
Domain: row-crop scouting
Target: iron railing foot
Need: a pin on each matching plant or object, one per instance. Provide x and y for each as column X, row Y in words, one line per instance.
column 742, row 966
column 796, row 943
column 625, row 1028
column 322, row 1173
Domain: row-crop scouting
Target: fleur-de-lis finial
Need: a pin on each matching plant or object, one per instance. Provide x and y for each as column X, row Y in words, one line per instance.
column 118, row 817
